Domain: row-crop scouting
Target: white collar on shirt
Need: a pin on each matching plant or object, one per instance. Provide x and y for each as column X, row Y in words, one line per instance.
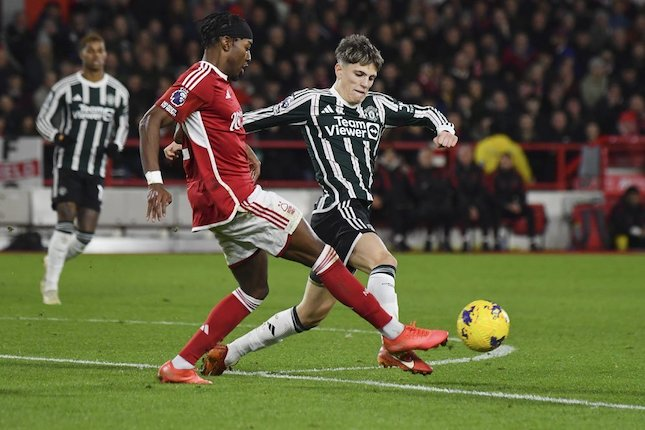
column 342, row 100
column 218, row 71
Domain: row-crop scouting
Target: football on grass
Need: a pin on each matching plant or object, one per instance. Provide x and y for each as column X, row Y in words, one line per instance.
column 483, row 325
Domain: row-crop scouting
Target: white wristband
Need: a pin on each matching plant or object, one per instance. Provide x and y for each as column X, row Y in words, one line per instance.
column 154, row 177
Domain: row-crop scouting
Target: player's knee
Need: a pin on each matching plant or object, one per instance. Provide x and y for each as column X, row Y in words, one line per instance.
column 383, row 258
column 66, row 212
column 258, row 290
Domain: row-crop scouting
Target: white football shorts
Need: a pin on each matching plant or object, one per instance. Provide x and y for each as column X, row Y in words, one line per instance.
column 263, row 221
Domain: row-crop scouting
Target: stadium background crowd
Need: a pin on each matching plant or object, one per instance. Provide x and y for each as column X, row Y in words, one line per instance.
column 536, row 70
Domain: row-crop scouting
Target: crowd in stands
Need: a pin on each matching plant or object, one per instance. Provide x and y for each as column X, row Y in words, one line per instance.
column 545, row 70
column 534, row 70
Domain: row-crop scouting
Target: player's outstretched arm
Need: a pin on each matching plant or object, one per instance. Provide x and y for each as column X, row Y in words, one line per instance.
column 149, row 135
column 293, row 110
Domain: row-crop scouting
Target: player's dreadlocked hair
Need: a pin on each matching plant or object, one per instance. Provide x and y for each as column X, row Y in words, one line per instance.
column 357, row 49
column 220, row 24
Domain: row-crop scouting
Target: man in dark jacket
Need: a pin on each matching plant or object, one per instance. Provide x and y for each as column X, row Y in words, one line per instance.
column 510, row 196
column 434, row 197
column 393, row 199
column 473, row 200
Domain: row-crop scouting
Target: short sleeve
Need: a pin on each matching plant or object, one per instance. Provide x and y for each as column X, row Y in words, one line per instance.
column 179, row 102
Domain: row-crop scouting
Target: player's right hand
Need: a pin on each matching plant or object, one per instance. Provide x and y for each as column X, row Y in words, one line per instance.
column 158, row 200
column 62, row 140
column 171, row 152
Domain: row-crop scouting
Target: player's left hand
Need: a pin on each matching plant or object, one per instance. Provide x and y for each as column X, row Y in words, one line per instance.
column 158, row 200
column 445, row 139
column 112, row 150
column 172, row 151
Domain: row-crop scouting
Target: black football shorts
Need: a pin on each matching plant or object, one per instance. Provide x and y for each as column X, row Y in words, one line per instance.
column 83, row 189
column 341, row 226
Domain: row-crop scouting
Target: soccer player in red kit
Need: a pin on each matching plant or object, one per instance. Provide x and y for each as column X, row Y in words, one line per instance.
column 248, row 221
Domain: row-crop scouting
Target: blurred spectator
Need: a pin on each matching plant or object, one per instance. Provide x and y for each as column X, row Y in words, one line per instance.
column 20, row 39
column 393, row 196
column 627, row 221
column 594, row 84
column 509, row 196
column 558, row 130
column 526, row 129
column 434, row 197
column 472, row 199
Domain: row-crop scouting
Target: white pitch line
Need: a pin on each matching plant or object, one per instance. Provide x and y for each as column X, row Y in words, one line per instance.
column 502, row 351
column 409, row 387
column 74, row 361
column 493, row 394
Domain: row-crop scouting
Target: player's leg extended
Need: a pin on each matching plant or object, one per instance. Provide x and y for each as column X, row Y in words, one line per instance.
column 308, row 249
column 316, row 304
column 371, row 256
column 87, row 220
column 348, row 290
column 251, row 275
column 58, row 246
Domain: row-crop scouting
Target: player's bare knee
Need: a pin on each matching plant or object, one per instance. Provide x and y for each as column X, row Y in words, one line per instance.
column 66, row 211
column 257, row 290
column 382, row 258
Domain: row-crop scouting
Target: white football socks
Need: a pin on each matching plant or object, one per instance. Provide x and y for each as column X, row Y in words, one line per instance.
column 381, row 284
column 180, row 362
column 81, row 240
column 279, row 326
column 56, row 253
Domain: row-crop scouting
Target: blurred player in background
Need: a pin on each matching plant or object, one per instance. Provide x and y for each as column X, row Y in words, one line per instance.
column 85, row 116
column 342, row 127
column 248, row 221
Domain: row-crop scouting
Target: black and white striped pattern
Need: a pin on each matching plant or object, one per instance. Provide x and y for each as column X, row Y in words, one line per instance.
column 93, row 114
column 343, row 140
column 349, row 215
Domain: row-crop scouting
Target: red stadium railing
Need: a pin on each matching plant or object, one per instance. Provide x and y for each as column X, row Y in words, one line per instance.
column 627, row 153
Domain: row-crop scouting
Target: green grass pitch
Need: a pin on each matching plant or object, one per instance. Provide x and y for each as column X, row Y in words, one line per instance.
column 576, row 329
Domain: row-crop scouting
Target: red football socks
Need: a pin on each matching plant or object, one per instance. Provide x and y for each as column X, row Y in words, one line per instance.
column 347, row 289
column 224, row 317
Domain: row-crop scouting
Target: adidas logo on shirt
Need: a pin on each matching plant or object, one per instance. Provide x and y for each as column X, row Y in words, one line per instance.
column 328, row 109
column 228, row 95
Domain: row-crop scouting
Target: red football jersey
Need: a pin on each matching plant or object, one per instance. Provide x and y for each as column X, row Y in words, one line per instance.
column 217, row 168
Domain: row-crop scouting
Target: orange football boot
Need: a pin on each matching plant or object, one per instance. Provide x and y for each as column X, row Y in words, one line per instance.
column 213, row 364
column 168, row 373
column 414, row 337
column 407, row 361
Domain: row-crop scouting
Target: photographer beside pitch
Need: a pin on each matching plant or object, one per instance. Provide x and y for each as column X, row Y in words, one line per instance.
column 342, row 127
column 85, row 115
